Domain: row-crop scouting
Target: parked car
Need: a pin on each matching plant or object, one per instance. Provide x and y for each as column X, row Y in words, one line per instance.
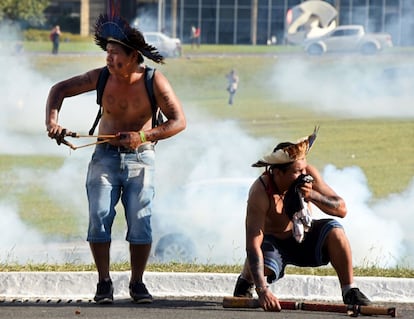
column 202, row 222
column 168, row 47
column 348, row 38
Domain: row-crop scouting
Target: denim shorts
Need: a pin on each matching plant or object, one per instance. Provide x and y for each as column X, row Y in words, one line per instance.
column 113, row 175
column 310, row 253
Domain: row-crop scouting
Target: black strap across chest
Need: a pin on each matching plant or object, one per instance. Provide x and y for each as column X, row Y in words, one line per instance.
column 157, row 117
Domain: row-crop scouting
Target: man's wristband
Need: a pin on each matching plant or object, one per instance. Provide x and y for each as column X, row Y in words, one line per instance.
column 142, row 136
column 260, row 290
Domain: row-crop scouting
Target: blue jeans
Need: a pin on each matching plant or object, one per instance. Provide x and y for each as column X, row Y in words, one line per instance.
column 129, row 176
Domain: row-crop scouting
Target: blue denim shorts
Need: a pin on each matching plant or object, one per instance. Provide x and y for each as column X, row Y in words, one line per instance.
column 278, row 253
column 115, row 174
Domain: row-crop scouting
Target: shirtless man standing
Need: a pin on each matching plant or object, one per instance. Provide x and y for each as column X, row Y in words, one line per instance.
column 280, row 230
column 122, row 168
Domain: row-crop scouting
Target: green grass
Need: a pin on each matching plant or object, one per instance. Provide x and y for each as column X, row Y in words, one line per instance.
column 37, row 208
column 370, row 271
column 383, row 148
column 87, row 45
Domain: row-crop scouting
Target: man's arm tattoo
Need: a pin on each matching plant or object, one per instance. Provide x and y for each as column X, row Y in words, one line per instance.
column 170, row 112
column 331, row 202
column 256, row 265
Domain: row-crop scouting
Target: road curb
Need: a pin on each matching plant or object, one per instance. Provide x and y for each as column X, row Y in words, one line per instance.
column 81, row 286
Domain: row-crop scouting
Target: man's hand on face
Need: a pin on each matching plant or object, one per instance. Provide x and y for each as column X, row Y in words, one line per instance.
column 305, row 186
column 306, row 191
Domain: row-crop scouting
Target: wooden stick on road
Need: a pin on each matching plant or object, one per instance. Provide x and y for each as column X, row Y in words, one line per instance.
column 353, row 311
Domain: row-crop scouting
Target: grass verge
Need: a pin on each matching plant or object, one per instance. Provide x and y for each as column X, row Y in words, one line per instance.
column 371, row 271
column 381, row 147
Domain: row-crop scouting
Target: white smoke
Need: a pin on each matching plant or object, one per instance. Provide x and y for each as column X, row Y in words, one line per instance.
column 15, row 232
column 380, row 232
column 378, row 235
column 398, row 208
column 339, row 86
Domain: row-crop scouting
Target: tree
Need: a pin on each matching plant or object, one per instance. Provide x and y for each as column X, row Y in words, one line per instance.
column 24, row 11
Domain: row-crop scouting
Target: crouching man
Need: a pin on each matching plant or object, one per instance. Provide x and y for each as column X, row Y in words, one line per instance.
column 280, row 229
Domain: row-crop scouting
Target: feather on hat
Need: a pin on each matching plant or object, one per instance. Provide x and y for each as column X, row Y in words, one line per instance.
column 113, row 28
column 290, row 153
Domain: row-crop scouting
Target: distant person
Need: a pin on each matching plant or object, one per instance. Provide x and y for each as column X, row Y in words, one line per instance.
column 55, row 38
column 198, row 36
column 232, row 84
column 195, row 36
column 121, row 168
column 280, row 229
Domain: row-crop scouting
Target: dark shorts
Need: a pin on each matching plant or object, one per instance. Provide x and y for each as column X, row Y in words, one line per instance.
column 309, row 253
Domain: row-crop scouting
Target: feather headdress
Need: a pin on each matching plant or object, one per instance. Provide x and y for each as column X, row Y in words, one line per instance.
column 290, row 153
column 111, row 27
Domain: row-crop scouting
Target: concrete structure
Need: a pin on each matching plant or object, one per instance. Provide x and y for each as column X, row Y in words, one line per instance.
column 246, row 21
column 81, row 286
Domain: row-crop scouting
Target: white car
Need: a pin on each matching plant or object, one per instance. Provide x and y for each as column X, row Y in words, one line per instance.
column 202, row 222
column 168, row 47
column 348, row 38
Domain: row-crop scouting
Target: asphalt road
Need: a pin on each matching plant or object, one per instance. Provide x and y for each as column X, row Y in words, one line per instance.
column 171, row 308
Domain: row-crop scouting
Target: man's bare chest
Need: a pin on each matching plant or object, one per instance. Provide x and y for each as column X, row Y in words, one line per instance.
column 130, row 101
column 277, row 222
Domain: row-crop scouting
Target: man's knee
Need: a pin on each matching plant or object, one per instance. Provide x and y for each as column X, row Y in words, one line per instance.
column 337, row 238
column 336, row 233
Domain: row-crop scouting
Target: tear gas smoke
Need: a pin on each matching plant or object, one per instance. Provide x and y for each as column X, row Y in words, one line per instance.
column 343, row 88
column 380, row 233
